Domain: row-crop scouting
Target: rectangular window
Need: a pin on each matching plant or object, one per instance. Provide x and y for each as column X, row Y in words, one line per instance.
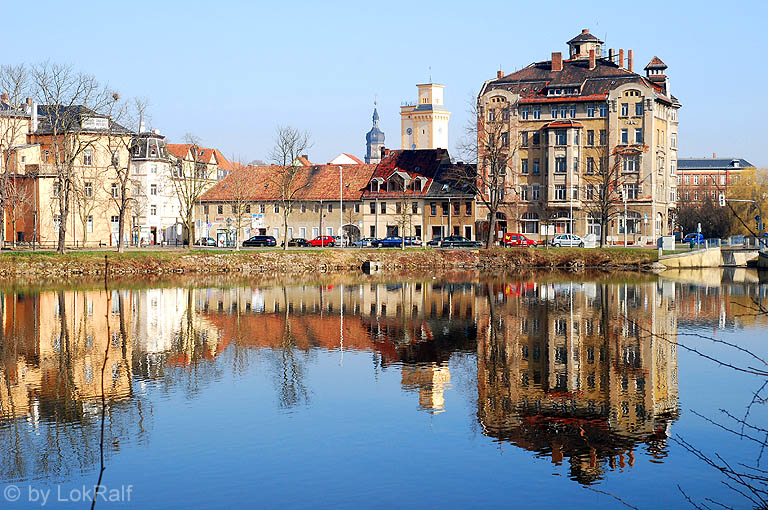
column 219, row 209
column 639, row 108
column 414, row 207
column 524, row 113
column 590, row 192
column 504, row 140
column 672, row 194
column 524, row 193
column 695, row 194
column 537, row 112
column 87, row 157
column 560, row 166
column 696, row 179
column 536, row 191
column 505, row 114
column 559, row 191
column 524, row 165
column 523, row 139
column 590, row 137
column 114, row 219
column 491, row 115
column 630, row 191
column 262, row 208
column 603, row 137
column 383, row 208
column 456, row 208
column 563, row 111
column 603, row 110
column 536, row 167
column 398, row 207
column 444, row 207
column 115, row 190
column 554, row 112
column 433, row 208
column 572, row 111
column 205, row 209
column 536, row 138
column 89, row 224
column 153, row 210
column 330, row 207
column 88, row 188
column 625, row 136
column 575, row 165
column 277, row 208
column 590, row 165
column 631, row 164
column 624, row 109
column 247, row 208
column 56, row 223
column 468, row 208
column 153, row 189
column 575, row 192
column 638, row 135
column 687, row 179
column 722, row 178
column 673, row 140
column 590, row 110
column 561, row 137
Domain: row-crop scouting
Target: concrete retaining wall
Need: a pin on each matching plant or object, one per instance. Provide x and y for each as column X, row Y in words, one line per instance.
column 710, row 257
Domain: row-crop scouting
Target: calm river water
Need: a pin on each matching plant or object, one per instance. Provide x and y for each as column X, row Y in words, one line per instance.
column 457, row 391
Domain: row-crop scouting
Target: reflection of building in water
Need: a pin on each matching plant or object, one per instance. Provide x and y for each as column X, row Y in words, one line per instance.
column 731, row 305
column 413, row 324
column 579, row 371
column 430, row 381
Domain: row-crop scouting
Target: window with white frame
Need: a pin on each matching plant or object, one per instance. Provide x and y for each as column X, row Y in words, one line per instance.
column 536, row 192
column 88, row 189
column 537, row 112
column 153, row 210
column 153, row 189
column 624, row 109
column 631, row 163
column 524, row 166
column 560, row 192
column 56, row 223
column 89, row 224
column 696, row 179
column 560, row 165
column 115, row 190
column 638, row 135
column 603, row 110
column 590, row 110
column 87, row 157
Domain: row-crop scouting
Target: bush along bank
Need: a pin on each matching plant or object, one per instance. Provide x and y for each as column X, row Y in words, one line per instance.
column 25, row 264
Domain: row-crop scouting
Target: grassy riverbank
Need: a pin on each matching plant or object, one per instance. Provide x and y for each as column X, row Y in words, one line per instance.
column 305, row 261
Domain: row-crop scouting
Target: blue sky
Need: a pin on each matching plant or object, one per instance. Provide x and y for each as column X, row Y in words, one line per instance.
column 230, row 72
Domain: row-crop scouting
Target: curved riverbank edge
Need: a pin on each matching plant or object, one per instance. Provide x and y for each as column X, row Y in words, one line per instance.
column 307, row 261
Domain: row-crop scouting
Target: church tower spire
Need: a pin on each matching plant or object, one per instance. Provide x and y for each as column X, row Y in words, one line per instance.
column 374, row 140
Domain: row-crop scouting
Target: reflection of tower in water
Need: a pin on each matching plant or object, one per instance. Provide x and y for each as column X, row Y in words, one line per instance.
column 579, row 371
column 431, row 381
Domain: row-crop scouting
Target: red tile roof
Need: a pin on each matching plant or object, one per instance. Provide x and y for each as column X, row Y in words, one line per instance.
column 415, row 163
column 181, row 151
column 318, row 182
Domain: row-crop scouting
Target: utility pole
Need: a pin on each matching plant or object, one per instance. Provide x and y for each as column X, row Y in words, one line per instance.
column 625, row 219
column 341, row 207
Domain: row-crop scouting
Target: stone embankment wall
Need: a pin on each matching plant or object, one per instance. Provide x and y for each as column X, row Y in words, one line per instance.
column 315, row 261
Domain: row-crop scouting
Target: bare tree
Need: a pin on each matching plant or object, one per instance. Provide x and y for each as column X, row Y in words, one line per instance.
column 238, row 187
column 18, row 200
column 118, row 142
column 403, row 210
column 290, row 143
column 85, row 190
column 603, row 190
column 190, row 179
column 69, row 101
column 488, row 144
column 14, row 85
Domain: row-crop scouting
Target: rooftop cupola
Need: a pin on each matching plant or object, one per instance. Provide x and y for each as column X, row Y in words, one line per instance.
column 581, row 44
column 655, row 70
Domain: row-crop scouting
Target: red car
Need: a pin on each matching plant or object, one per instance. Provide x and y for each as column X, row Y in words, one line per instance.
column 518, row 240
column 322, row 241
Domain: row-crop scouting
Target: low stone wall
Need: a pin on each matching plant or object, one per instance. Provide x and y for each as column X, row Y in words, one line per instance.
column 17, row 265
column 708, row 257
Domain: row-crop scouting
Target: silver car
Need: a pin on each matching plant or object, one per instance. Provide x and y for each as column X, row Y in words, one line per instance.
column 567, row 240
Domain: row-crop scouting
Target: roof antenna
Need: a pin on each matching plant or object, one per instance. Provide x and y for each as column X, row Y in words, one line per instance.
column 430, row 74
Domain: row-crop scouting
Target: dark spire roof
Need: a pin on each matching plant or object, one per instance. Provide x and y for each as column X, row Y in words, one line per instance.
column 375, row 135
column 584, row 36
column 656, row 63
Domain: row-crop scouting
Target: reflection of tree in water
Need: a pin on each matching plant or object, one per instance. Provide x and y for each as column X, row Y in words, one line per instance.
column 51, row 416
column 289, row 364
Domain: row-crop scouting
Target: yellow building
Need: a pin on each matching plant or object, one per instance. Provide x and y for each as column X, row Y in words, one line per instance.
column 424, row 125
column 580, row 132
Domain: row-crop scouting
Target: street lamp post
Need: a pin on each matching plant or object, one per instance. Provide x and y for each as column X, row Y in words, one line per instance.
column 625, row 219
column 341, row 207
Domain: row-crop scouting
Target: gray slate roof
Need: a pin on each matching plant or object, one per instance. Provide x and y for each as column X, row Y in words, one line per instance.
column 684, row 164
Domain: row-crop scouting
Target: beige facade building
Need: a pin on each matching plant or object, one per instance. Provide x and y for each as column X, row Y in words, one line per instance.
column 424, row 125
column 567, row 122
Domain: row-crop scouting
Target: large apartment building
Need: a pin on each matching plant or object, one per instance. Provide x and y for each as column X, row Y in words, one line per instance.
column 565, row 121
column 705, row 178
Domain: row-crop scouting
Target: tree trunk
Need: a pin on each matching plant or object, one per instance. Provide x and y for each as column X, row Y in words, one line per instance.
column 60, row 248
column 491, row 230
column 120, row 231
column 285, row 229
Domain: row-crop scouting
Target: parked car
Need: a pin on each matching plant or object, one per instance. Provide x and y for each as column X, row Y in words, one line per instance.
column 412, row 241
column 694, row 237
column 388, row 242
column 297, row 241
column 322, row 241
column 365, row 241
column 567, row 240
column 434, row 242
column 459, row 242
column 260, row 241
column 206, row 241
column 338, row 241
column 517, row 240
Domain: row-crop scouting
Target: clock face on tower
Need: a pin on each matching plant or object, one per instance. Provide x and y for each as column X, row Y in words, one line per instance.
column 409, row 131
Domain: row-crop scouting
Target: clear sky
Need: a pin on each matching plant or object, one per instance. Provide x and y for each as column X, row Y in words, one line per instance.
column 231, row 71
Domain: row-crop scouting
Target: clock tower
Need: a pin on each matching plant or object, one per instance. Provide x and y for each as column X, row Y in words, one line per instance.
column 424, row 125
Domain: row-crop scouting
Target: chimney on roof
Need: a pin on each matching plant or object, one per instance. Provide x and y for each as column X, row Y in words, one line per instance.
column 33, row 119
column 611, row 54
column 584, row 30
column 714, row 155
column 557, row 61
column 499, row 74
column 630, row 60
column 621, row 58
column 592, row 59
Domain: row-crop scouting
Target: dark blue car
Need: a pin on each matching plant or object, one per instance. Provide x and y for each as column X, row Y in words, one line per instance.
column 388, row 242
column 694, row 237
